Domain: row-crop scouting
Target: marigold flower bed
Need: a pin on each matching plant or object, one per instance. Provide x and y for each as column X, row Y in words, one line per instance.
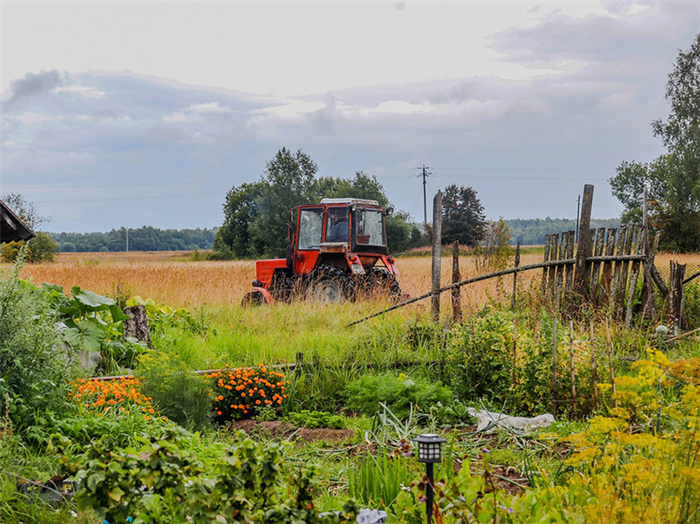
column 116, row 396
column 241, row 392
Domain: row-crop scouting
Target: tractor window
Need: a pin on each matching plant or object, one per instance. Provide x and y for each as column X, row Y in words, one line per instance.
column 369, row 227
column 337, row 226
column 310, row 228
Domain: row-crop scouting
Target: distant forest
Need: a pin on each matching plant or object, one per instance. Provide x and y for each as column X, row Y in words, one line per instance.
column 142, row 239
column 527, row 232
column 532, row 231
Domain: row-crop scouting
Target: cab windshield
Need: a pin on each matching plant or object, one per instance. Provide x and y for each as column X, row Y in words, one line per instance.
column 310, row 228
column 369, row 227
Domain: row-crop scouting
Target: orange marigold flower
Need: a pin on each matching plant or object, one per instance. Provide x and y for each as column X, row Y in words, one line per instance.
column 257, row 401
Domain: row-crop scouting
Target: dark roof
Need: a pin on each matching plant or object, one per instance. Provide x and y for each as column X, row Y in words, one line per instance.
column 11, row 227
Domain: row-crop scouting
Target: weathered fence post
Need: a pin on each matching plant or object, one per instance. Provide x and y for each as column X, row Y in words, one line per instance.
column 675, row 299
column 634, row 276
column 554, row 367
column 571, row 235
column 456, row 292
column 608, row 341
column 572, row 363
column 595, row 275
column 437, row 253
column 559, row 280
column 515, row 352
column 515, row 275
column 583, row 250
column 648, row 295
column 547, row 244
column 552, row 273
column 594, row 374
column 606, row 279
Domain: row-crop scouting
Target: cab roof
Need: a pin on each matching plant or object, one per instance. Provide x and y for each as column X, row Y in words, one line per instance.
column 362, row 201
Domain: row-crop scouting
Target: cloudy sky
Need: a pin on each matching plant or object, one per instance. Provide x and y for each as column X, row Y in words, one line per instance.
column 145, row 113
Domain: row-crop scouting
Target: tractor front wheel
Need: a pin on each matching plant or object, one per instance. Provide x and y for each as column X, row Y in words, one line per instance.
column 328, row 284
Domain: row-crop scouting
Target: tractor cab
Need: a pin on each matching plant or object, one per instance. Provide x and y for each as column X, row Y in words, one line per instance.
column 337, row 249
column 347, row 233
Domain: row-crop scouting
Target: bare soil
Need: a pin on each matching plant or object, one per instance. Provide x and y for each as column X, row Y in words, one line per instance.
column 284, row 430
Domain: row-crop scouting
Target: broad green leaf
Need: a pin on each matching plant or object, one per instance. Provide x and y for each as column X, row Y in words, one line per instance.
column 52, row 287
column 94, row 478
column 86, row 335
column 117, row 314
column 93, row 300
column 116, row 494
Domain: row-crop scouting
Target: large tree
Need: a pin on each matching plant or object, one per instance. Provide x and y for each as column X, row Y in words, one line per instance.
column 462, row 216
column 673, row 178
column 255, row 215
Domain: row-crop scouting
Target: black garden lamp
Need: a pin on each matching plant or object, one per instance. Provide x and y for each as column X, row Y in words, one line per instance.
column 429, row 452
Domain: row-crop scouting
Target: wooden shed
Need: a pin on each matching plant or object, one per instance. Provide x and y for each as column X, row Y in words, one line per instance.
column 11, row 227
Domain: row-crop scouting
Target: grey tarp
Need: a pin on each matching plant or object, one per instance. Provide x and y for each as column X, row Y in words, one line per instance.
column 11, row 227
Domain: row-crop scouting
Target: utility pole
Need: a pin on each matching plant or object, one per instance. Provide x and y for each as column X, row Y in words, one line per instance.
column 424, row 174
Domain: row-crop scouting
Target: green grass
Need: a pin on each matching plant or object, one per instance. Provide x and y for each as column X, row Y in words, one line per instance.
column 272, row 335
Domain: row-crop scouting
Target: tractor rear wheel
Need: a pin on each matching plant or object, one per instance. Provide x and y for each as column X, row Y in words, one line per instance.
column 253, row 299
column 379, row 281
column 329, row 284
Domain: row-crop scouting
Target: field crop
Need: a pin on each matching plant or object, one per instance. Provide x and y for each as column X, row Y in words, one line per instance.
column 168, row 279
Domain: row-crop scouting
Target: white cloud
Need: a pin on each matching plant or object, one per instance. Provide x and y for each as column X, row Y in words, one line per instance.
column 211, row 107
column 87, row 92
column 182, row 117
column 399, row 107
column 29, row 118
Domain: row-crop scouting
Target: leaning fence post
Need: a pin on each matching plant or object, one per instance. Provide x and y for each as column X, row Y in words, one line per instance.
column 675, row 299
column 437, row 253
column 515, row 352
column 515, row 275
column 573, row 365
column 554, row 367
column 594, row 375
column 583, row 250
column 610, row 359
column 456, row 292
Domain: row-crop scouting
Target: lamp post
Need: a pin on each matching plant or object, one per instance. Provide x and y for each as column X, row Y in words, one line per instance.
column 429, row 452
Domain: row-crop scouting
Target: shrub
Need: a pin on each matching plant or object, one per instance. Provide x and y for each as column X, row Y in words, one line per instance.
column 180, row 394
column 239, row 393
column 316, row 419
column 33, row 363
column 398, row 393
column 164, row 480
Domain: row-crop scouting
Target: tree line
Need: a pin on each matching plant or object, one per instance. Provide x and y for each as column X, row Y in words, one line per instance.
column 145, row 238
column 530, row 232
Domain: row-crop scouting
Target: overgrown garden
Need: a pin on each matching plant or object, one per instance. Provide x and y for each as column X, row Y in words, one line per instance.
column 161, row 443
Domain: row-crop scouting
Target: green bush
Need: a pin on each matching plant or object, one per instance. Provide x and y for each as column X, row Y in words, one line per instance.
column 398, row 393
column 478, row 363
column 316, row 419
column 34, row 365
column 165, row 480
column 180, row 394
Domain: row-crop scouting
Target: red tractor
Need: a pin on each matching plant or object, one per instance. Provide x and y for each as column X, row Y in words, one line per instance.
column 337, row 251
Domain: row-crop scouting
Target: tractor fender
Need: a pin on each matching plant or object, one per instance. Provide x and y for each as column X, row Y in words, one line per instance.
column 389, row 262
column 269, row 300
